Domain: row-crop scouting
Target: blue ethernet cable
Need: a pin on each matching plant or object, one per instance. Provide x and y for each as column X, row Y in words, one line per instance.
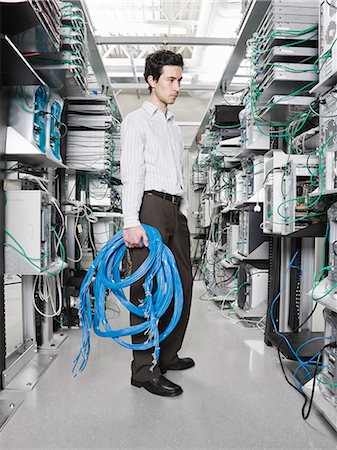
column 104, row 273
column 311, row 340
column 302, row 363
column 306, row 364
column 310, row 374
column 311, row 361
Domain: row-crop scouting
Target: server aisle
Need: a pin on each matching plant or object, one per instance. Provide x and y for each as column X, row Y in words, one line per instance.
column 235, row 397
column 260, row 177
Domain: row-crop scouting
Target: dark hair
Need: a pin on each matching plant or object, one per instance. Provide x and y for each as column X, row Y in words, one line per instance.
column 155, row 62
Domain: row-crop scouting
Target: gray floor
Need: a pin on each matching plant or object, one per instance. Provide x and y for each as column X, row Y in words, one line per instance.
column 234, row 398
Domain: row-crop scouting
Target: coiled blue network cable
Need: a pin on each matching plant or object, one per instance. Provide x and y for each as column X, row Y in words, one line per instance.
column 160, row 265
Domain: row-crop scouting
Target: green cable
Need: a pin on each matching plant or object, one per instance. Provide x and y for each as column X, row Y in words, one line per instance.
column 245, row 283
column 254, row 112
column 292, row 44
column 225, row 126
column 324, row 295
column 325, row 382
column 21, row 248
column 285, row 33
column 311, row 205
column 71, row 5
column 23, row 106
column 290, row 69
column 74, row 17
column 30, row 260
column 325, row 55
column 62, row 61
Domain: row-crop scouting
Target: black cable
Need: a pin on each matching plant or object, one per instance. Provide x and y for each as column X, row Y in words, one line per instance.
column 204, row 252
column 272, row 170
column 306, row 415
column 232, row 276
column 285, row 375
column 279, row 350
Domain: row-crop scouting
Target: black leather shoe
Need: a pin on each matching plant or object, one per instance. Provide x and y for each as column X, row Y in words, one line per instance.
column 181, row 364
column 159, row 386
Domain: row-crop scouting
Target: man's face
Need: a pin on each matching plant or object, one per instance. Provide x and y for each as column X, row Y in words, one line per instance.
column 167, row 87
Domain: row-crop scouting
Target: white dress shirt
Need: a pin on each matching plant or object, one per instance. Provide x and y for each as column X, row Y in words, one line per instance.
column 152, row 159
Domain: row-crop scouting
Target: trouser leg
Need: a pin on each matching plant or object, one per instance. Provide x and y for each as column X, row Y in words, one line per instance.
column 172, row 226
column 180, row 246
column 142, row 359
column 151, row 213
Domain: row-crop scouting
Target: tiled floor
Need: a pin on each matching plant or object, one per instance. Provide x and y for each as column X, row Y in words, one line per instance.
column 235, row 397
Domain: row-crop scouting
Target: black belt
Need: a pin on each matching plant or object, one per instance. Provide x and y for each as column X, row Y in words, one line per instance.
column 175, row 199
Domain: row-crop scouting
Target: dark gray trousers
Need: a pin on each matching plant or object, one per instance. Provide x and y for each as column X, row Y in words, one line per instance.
column 172, row 225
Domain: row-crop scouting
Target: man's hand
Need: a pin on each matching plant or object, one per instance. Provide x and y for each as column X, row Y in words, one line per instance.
column 135, row 237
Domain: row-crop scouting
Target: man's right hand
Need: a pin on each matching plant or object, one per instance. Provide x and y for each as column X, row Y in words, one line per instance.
column 135, row 237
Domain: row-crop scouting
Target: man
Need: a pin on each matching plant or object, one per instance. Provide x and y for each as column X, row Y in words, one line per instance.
column 153, row 194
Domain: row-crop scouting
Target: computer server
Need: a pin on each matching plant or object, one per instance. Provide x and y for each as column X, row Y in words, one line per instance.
column 28, row 114
column 232, row 242
column 327, row 38
column 253, row 167
column 54, row 125
column 277, row 71
column 328, row 141
column 298, row 208
column 290, row 183
column 284, row 21
column 252, row 291
column 254, row 136
column 29, row 247
column 252, row 242
column 282, row 80
column 332, row 217
column 222, row 194
column 239, row 191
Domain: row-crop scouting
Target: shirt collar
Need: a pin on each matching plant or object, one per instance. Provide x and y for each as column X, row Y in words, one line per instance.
column 151, row 109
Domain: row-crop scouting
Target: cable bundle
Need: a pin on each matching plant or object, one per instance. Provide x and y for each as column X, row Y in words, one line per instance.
column 160, row 265
column 90, row 144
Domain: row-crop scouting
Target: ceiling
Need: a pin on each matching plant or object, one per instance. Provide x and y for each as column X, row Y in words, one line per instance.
column 128, row 30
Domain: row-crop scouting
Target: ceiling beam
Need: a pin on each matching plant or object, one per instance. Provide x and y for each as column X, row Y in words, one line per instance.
column 164, row 40
column 126, row 72
column 144, row 86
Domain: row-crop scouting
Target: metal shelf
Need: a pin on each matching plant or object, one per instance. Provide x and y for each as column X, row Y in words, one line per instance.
column 19, row 149
column 15, row 70
column 23, row 23
column 296, row 340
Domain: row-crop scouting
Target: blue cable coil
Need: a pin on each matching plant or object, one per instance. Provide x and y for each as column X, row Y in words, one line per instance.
column 160, row 265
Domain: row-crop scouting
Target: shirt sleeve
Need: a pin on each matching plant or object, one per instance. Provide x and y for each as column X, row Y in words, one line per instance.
column 132, row 170
column 184, row 202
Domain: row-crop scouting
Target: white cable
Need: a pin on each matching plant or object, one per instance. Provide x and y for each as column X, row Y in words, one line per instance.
column 88, row 215
column 47, row 294
column 76, row 239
